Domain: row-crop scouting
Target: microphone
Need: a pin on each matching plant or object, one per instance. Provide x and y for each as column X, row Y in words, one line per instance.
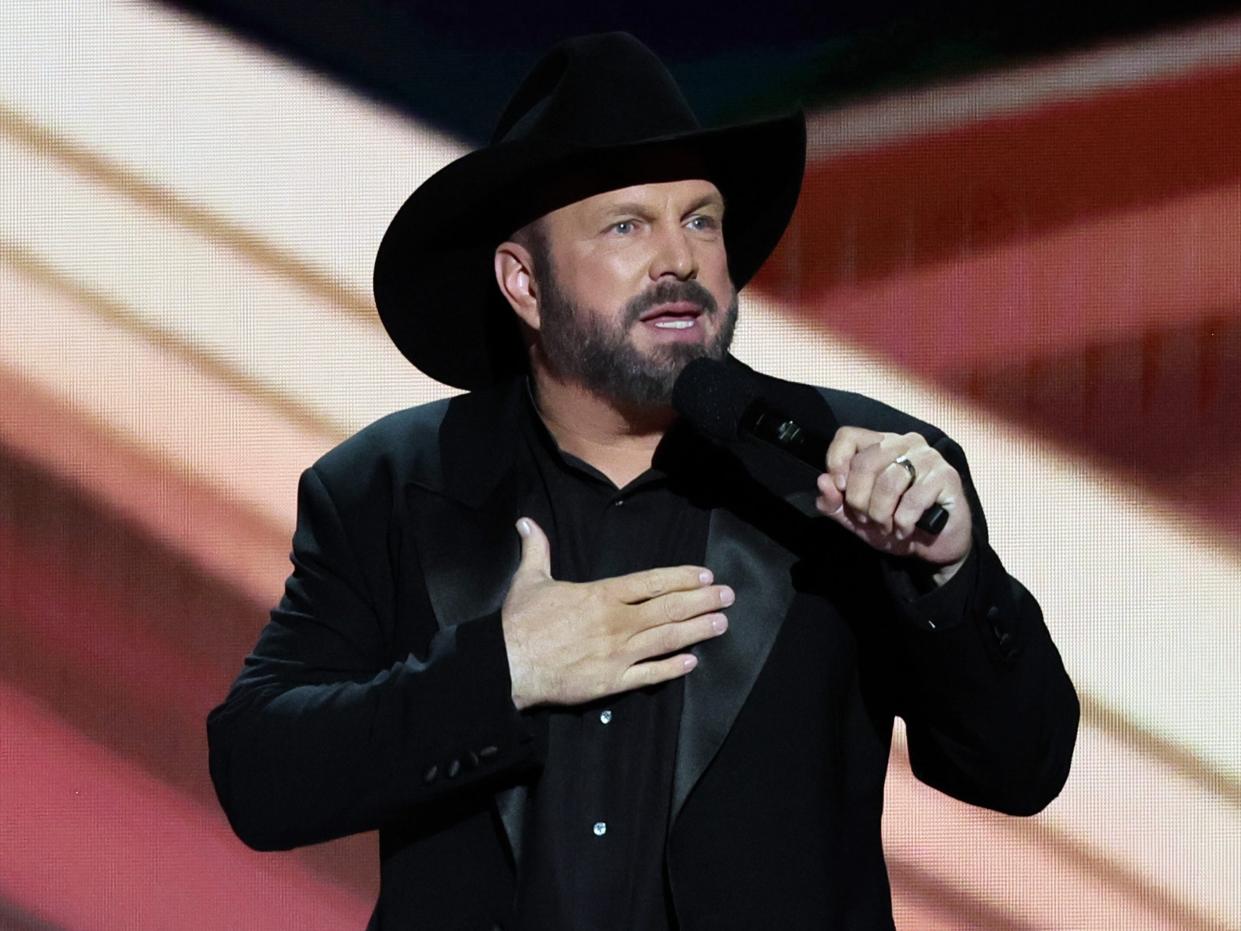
column 721, row 405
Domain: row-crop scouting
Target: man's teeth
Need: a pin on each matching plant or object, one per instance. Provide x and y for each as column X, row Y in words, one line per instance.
column 674, row 324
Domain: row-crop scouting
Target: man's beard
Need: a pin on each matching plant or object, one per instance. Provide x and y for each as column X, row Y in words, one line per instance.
column 583, row 347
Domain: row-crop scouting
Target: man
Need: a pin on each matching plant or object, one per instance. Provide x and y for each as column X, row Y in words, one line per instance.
column 667, row 700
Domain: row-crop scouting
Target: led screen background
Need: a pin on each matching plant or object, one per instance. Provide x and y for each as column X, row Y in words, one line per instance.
column 1039, row 253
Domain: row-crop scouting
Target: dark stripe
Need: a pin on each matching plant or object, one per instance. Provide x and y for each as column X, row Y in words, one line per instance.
column 15, row 918
column 1158, row 407
column 952, row 902
column 454, row 65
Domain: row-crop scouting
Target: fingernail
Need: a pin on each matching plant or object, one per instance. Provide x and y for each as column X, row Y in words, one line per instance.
column 523, row 527
column 705, row 576
column 689, row 662
column 840, row 482
column 719, row 624
column 727, row 596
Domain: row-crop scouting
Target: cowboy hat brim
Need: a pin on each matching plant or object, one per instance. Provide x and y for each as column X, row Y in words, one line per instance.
column 434, row 283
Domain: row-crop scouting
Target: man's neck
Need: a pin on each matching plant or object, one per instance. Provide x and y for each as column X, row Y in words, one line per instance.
column 619, row 442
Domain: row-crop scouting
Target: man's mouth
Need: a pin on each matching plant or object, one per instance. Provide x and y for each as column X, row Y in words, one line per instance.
column 681, row 315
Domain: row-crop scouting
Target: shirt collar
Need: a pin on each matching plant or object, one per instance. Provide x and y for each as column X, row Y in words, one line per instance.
column 543, row 445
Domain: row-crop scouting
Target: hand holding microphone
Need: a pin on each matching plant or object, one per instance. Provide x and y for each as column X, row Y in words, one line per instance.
column 882, row 486
column 894, row 491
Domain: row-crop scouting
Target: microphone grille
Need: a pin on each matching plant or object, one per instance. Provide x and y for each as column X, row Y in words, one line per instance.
column 712, row 397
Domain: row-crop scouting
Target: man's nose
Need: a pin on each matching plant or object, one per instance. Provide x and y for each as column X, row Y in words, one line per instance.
column 674, row 255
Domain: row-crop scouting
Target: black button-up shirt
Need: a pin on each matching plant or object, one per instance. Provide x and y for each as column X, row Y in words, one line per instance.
column 598, row 818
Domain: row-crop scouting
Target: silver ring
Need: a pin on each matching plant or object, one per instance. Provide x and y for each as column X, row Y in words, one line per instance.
column 904, row 463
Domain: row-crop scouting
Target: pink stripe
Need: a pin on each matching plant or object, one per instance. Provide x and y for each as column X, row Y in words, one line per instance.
column 1098, row 281
column 91, row 842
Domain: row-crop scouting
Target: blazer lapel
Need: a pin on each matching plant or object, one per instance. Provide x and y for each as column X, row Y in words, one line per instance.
column 762, row 517
column 752, row 538
column 467, row 574
column 757, row 568
column 465, row 502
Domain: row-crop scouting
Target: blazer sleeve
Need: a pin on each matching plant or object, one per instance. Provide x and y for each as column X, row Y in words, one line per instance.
column 325, row 733
column 991, row 715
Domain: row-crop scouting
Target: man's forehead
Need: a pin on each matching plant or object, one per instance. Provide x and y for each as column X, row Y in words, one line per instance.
column 687, row 194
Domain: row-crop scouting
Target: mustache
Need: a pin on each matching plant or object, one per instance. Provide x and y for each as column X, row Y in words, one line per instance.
column 669, row 292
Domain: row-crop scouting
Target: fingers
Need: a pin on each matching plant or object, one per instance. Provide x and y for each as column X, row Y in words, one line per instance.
column 844, row 446
column 933, row 487
column 892, row 482
column 656, row 671
column 872, row 495
column 874, row 483
column 642, row 586
column 831, row 499
column 863, row 474
column 670, row 638
column 536, row 552
column 680, row 606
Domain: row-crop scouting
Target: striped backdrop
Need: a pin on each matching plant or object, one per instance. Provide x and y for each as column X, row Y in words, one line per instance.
column 1044, row 259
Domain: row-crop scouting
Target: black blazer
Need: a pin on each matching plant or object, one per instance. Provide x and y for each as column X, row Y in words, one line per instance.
column 378, row 694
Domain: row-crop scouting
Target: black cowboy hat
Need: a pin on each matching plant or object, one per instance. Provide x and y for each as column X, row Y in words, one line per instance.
column 597, row 113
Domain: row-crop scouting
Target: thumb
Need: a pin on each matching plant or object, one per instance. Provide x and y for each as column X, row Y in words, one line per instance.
column 831, row 501
column 831, row 498
column 536, row 552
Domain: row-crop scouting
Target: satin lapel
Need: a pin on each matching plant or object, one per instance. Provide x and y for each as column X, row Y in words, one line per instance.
column 467, row 573
column 468, row 548
column 758, row 570
column 467, row 554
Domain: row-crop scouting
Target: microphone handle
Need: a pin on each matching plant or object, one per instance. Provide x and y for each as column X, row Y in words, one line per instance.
column 782, row 431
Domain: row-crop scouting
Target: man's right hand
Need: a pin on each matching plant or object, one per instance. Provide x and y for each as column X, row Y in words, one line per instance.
column 571, row 642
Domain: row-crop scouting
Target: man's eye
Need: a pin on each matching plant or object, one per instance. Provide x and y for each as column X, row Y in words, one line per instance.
column 624, row 227
column 704, row 223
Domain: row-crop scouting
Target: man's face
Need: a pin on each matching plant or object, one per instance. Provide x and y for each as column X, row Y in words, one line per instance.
column 632, row 285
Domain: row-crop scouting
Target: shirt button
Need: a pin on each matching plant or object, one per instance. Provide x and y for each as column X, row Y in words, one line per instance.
column 601, row 828
column 618, row 502
column 605, row 717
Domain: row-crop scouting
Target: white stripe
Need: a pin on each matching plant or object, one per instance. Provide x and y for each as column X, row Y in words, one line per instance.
column 175, row 280
column 1170, row 836
column 152, row 398
column 280, row 150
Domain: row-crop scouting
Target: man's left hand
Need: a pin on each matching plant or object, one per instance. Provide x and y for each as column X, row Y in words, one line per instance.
column 870, row 491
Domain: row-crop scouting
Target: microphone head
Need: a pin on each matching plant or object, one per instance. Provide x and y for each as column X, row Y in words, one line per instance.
column 713, row 398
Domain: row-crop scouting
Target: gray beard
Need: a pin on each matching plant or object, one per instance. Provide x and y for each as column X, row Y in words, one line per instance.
column 581, row 347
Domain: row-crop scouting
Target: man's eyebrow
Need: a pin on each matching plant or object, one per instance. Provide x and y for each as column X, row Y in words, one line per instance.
column 707, row 200
column 631, row 207
column 644, row 211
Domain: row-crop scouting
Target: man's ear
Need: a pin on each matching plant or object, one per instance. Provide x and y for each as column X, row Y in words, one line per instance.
column 516, row 280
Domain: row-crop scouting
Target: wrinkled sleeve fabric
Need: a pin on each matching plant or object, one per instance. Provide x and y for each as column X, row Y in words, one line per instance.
column 991, row 715
column 327, row 733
